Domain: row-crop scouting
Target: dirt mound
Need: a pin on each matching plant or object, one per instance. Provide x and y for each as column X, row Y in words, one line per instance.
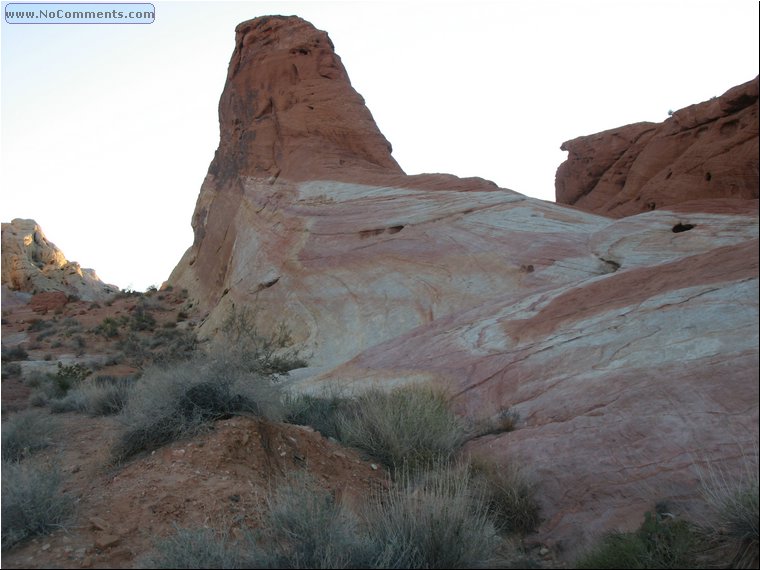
column 220, row 479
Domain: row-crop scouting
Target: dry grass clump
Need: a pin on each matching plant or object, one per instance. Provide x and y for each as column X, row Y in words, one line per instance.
column 510, row 495
column 733, row 503
column 102, row 396
column 325, row 413
column 26, row 432
column 436, row 521
column 167, row 404
column 31, row 501
column 197, row 548
column 410, row 427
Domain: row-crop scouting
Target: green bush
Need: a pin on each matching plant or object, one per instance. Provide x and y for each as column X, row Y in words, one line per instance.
column 68, row 376
column 660, row 542
column 409, row 427
column 31, row 501
column 26, row 432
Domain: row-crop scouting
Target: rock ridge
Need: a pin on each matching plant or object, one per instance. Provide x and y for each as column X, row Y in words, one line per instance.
column 32, row 264
column 702, row 152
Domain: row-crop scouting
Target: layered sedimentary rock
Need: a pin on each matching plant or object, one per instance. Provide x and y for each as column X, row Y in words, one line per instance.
column 31, row 263
column 629, row 348
column 703, row 152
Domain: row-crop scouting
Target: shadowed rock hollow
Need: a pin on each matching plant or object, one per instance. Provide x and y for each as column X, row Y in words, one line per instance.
column 629, row 347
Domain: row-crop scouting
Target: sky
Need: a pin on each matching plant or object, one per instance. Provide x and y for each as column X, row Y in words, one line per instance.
column 107, row 131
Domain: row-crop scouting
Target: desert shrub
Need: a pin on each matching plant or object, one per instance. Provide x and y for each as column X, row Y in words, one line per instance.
column 103, row 396
column 410, row 426
column 126, row 294
column 172, row 345
column 504, row 421
column 31, row 501
column 68, row 376
column 199, row 548
column 73, row 401
column 660, row 542
column 109, row 328
column 324, row 413
column 733, row 502
column 307, row 528
column 37, row 325
column 510, row 496
column 50, row 387
column 262, row 353
column 170, row 403
column 26, row 432
column 142, row 320
column 38, row 399
column 15, row 353
column 437, row 521
column 11, row 370
column 133, row 349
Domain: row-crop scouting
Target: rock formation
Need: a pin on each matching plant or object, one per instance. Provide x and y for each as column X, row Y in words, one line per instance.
column 628, row 347
column 30, row 263
column 704, row 152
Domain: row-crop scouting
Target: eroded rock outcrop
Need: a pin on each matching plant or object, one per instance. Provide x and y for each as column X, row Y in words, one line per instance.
column 30, row 263
column 703, row 152
column 628, row 347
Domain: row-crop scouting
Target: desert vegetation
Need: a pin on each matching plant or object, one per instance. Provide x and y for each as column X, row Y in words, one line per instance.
column 438, row 520
column 32, row 503
column 726, row 538
column 438, row 508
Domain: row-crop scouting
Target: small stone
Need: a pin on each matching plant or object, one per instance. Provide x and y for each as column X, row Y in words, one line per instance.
column 104, row 541
column 98, row 523
column 374, row 466
column 46, row 546
column 544, row 551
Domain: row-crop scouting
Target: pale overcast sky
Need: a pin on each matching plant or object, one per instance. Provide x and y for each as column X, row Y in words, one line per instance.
column 108, row 131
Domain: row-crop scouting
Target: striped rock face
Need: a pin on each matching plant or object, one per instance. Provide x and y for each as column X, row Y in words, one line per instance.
column 628, row 347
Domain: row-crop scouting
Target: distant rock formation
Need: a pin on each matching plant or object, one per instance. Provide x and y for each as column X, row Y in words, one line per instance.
column 703, row 152
column 32, row 264
column 629, row 348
